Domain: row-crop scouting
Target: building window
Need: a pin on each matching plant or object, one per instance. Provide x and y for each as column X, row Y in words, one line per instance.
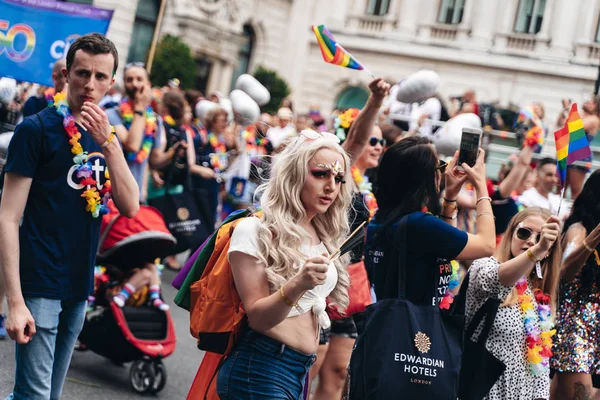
column 352, row 97
column 598, row 32
column 378, row 7
column 144, row 25
column 244, row 53
column 529, row 16
column 451, row 11
column 203, row 70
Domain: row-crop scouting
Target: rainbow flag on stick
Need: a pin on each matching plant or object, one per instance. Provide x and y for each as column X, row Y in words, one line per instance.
column 571, row 143
column 333, row 52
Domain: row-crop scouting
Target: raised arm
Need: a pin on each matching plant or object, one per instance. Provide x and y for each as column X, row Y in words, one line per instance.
column 514, row 178
column 577, row 244
column 359, row 132
column 132, row 138
column 20, row 324
column 125, row 191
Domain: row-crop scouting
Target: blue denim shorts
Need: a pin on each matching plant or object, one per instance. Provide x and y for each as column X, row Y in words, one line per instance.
column 263, row 368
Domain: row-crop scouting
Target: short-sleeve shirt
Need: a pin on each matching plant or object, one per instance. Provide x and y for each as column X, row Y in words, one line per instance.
column 137, row 169
column 58, row 238
column 430, row 245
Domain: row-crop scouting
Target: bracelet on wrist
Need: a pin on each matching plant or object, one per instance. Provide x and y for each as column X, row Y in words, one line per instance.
column 531, row 256
column 587, row 246
column 485, row 213
column 483, row 198
column 449, row 217
column 284, row 298
column 449, row 201
column 111, row 137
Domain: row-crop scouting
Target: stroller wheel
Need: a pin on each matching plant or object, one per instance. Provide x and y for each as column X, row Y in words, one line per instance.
column 141, row 376
column 160, row 377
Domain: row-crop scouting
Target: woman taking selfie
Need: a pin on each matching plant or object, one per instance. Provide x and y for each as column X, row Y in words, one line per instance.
column 524, row 274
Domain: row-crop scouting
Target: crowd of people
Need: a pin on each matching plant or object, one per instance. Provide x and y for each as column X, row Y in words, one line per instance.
column 316, row 179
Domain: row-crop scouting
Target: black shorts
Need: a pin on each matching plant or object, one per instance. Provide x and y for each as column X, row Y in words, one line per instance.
column 341, row 328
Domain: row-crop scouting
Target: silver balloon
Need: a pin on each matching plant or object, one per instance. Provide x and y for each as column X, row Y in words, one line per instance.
column 417, row 87
column 203, row 107
column 245, row 109
column 447, row 139
column 8, row 90
column 253, row 88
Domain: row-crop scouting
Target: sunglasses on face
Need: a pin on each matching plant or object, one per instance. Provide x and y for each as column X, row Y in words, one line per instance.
column 524, row 233
column 135, row 64
column 442, row 166
column 373, row 142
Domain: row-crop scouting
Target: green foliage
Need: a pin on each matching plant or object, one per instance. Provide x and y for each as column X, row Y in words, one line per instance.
column 173, row 60
column 276, row 85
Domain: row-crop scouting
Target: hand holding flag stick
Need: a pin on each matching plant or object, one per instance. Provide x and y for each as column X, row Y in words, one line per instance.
column 334, row 53
column 571, row 146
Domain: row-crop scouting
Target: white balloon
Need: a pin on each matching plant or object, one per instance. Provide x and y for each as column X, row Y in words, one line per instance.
column 253, row 88
column 226, row 105
column 8, row 90
column 245, row 109
column 418, row 86
column 447, row 138
column 203, row 107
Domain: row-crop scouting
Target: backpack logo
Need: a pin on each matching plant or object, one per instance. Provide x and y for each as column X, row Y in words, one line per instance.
column 183, row 214
column 422, row 342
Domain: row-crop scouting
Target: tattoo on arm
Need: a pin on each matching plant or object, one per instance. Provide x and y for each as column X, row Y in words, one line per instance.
column 581, row 392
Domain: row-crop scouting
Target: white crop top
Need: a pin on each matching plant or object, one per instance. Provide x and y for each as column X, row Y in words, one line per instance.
column 245, row 240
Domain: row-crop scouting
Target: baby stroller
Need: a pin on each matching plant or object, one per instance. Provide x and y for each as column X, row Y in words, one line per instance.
column 137, row 332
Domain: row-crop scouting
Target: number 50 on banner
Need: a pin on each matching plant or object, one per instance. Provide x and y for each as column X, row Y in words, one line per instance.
column 9, row 37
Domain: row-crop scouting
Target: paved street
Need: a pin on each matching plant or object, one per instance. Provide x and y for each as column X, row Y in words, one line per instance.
column 93, row 377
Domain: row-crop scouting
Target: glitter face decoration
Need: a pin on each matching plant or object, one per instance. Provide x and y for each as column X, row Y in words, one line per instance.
column 335, row 167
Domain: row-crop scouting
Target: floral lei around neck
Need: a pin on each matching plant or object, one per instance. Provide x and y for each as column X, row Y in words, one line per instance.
column 149, row 133
column 538, row 327
column 96, row 200
column 49, row 96
column 218, row 159
column 365, row 188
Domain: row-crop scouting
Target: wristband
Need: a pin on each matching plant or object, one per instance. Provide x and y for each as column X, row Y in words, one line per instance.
column 483, row 198
column 531, row 256
column 447, row 217
column 140, row 113
column 285, row 299
column 449, row 201
column 110, row 139
column 449, row 205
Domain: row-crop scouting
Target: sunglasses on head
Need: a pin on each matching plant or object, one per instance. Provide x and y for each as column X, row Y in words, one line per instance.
column 309, row 134
column 373, row 142
column 524, row 233
column 135, row 64
column 442, row 166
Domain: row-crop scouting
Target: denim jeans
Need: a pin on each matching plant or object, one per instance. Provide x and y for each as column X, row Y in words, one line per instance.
column 42, row 363
column 262, row 368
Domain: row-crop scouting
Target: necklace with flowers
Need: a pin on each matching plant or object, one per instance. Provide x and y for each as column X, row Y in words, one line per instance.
column 95, row 200
column 365, row 188
column 343, row 121
column 255, row 146
column 49, row 96
column 538, row 322
column 218, row 159
column 127, row 114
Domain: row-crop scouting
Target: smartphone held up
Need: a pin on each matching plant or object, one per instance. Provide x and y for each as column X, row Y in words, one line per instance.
column 469, row 147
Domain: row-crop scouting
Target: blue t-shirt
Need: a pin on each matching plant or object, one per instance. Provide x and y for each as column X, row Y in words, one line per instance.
column 137, row 169
column 34, row 105
column 430, row 244
column 58, row 238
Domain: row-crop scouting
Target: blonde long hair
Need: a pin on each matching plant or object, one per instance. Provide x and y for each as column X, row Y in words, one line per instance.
column 280, row 237
column 550, row 265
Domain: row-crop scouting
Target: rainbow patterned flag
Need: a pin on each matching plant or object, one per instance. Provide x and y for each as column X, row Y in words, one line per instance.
column 332, row 52
column 571, row 143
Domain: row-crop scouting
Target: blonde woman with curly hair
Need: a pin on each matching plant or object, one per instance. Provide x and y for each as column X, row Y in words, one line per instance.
column 281, row 269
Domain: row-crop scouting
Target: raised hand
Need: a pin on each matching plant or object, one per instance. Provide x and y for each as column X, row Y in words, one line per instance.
column 95, row 121
column 379, row 89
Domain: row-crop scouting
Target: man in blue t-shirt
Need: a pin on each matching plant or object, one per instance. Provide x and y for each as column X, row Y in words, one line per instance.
column 47, row 260
column 35, row 104
column 139, row 128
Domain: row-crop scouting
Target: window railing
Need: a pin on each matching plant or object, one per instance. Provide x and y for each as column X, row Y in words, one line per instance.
column 370, row 24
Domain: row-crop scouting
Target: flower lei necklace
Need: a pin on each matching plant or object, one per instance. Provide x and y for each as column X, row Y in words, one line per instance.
column 96, row 200
column 365, row 188
column 538, row 328
column 218, row 159
column 49, row 96
column 127, row 113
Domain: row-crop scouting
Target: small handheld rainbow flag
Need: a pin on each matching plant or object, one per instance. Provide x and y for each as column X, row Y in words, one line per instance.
column 571, row 143
column 333, row 52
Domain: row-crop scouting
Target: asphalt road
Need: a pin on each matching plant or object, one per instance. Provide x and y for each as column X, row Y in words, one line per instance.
column 93, row 377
